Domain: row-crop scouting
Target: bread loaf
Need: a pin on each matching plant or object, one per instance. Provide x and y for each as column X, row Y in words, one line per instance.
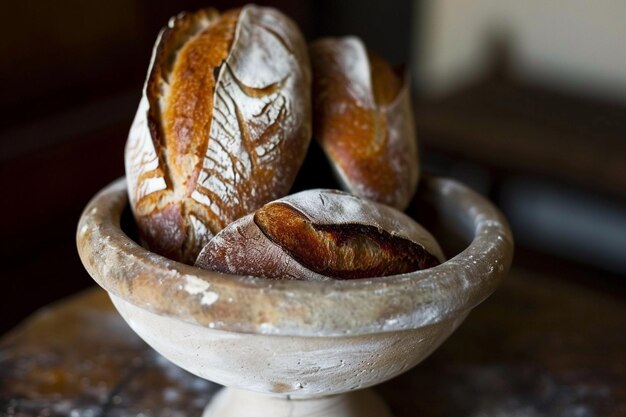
column 222, row 127
column 319, row 235
column 363, row 120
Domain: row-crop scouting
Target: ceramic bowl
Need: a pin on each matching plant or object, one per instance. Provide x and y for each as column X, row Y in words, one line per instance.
column 296, row 340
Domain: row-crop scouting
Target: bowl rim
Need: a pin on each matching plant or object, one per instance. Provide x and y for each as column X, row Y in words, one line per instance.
column 302, row 308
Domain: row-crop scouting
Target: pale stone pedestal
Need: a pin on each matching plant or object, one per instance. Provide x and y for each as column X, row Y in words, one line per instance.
column 232, row 402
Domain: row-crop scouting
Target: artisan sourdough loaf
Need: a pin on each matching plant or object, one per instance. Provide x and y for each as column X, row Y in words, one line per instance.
column 363, row 120
column 319, row 235
column 222, row 128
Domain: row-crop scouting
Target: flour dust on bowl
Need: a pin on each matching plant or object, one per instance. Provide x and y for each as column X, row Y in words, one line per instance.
column 298, row 348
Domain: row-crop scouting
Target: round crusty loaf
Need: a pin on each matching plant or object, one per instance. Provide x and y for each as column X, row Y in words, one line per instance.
column 364, row 121
column 222, row 127
column 321, row 234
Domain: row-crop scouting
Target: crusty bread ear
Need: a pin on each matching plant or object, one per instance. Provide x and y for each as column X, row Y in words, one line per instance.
column 319, row 235
column 363, row 119
column 222, row 127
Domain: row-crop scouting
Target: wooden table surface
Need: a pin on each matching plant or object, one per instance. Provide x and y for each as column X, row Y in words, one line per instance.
column 537, row 347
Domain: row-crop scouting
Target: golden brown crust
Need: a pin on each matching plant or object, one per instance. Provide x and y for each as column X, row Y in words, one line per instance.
column 341, row 251
column 189, row 107
column 363, row 121
column 180, row 29
column 223, row 125
column 162, row 220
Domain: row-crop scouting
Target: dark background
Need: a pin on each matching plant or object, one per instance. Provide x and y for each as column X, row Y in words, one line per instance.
column 71, row 79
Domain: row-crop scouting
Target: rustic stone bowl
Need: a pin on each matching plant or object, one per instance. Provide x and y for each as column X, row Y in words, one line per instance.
column 294, row 348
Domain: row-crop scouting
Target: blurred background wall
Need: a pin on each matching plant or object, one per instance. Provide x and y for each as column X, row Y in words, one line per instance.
column 573, row 46
column 524, row 101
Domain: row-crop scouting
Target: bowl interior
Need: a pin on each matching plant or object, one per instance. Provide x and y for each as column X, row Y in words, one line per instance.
column 472, row 232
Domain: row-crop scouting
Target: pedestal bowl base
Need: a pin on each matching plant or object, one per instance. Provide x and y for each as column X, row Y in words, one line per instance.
column 231, row 402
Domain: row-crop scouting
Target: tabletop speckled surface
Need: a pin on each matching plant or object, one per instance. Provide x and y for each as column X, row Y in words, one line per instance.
column 537, row 347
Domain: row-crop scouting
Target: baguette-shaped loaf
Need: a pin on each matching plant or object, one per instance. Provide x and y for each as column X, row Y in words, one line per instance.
column 222, row 127
column 363, row 119
column 319, row 235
